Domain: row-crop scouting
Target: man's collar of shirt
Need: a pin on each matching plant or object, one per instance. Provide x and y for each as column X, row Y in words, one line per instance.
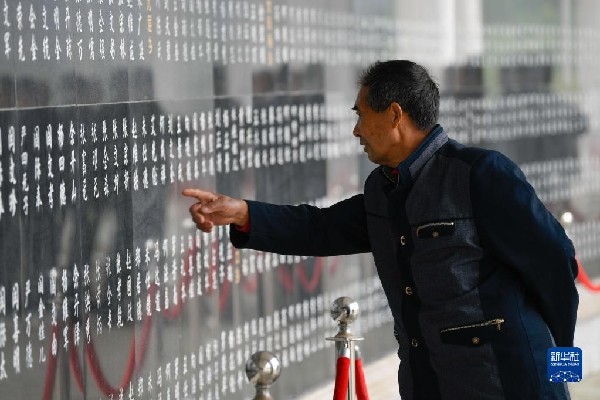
column 407, row 169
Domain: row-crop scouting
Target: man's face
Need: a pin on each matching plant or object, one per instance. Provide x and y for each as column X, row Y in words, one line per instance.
column 375, row 131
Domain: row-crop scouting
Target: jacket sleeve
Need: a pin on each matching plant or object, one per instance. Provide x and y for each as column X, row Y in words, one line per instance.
column 518, row 230
column 306, row 230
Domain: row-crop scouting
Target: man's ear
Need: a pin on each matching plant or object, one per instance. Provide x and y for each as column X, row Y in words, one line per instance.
column 396, row 113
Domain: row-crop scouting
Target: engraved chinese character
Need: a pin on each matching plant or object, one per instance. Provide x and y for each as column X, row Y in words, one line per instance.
column 2, row 334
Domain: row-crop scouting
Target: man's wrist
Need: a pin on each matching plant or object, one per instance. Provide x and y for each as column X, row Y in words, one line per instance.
column 243, row 222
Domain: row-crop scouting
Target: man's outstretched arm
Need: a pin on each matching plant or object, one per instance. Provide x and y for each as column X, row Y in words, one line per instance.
column 285, row 229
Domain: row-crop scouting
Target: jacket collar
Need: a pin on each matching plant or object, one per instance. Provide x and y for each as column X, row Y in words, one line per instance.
column 406, row 171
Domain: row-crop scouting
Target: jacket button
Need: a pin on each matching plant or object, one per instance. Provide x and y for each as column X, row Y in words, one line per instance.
column 414, row 343
column 475, row 340
column 403, row 240
column 408, row 290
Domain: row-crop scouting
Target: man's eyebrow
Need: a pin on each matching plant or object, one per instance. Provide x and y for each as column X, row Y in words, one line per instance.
column 355, row 108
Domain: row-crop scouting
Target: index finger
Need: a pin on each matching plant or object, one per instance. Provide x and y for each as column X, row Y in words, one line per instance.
column 199, row 194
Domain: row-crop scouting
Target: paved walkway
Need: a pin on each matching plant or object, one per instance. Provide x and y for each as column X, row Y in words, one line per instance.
column 383, row 384
column 381, row 375
column 587, row 389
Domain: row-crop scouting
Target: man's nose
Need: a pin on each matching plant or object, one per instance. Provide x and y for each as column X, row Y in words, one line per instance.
column 355, row 131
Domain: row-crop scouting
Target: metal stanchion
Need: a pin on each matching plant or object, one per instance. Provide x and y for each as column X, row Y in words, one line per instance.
column 262, row 369
column 344, row 312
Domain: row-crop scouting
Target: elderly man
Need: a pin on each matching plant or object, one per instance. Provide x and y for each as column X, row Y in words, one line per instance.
column 478, row 274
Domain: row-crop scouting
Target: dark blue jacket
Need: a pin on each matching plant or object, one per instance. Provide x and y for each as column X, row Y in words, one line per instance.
column 478, row 274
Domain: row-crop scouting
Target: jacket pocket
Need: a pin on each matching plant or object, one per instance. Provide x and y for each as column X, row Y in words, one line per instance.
column 473, row 334
column 435, row 229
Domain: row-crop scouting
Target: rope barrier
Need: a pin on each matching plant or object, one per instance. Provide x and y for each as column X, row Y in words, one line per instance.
column 342, row 375
column 74, row 362
column 310, row 285
column 361, row 383
column 136, row 356
column 51, row 369
column 133, row 365
column 583, row 277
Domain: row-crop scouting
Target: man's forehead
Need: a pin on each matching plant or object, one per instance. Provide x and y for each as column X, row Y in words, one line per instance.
column 361, row 96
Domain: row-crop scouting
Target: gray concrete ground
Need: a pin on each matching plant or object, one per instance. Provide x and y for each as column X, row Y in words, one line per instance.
column 383, row 385
column 381, row 375
column 587, row 389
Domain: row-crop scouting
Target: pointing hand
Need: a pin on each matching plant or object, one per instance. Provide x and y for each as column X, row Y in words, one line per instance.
column 216, row 209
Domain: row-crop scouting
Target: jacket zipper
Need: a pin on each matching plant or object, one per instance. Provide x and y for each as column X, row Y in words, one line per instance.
column 434, row 224
column 498, row 322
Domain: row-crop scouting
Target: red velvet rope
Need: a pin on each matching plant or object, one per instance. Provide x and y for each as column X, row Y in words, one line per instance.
column 224, row 295
column 342, row 375
column 361, row 384
column 51, row 369
column 74, row 361
column 310, row 285
column 583, row 277
column 134, row 364
column 285, row 279
column 250, row 285
column 98, row 375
